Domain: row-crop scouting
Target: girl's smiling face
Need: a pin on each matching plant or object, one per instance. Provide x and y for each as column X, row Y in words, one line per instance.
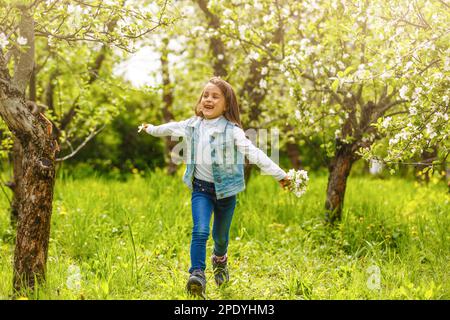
column 213, row 102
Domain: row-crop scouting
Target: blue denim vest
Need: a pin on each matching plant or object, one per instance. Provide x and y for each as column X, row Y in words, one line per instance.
column 227, row 161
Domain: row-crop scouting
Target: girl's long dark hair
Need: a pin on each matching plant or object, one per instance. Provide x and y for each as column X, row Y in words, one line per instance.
column 231, row 104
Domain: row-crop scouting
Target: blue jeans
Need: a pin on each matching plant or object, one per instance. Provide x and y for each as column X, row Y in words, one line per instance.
column 204, row 202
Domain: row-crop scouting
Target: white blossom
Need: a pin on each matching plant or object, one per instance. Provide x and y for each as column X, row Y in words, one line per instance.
column 386, row 121
column 412, row 111
column 242, row 29
column 257, row 5
column 253, row 55
column 264, row 71
column 376, row 166
column 227, row 12
column 402, row 92
column 393, row 141
column 263, row 83
column 22, row 41
column 337, row 133
column 417, row 92
column 51, row 41
column 3, row 40
column 407, row 66
column 299, row 181
column 430, row 131
column 71, row 9
column 198, row 29
column 291, row 92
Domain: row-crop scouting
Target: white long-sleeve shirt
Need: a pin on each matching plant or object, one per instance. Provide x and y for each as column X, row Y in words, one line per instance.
column 203, row 162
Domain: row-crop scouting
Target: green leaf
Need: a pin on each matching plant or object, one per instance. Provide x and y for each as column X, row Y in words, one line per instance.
column 348, row 70
column 335, row 85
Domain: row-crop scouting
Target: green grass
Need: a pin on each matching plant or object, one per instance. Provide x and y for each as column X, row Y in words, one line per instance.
column 130, row 240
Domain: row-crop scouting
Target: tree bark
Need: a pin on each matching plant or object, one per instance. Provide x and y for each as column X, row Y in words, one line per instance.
column 167, row 105
column 33, row 230
column 35, row 190
column 339, row 169
column 293, row 152
column 216, row 45
column 16, row 184
column 38, row 160
column 17, row 156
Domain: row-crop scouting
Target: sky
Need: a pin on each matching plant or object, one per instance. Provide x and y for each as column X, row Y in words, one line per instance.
column 141, row 68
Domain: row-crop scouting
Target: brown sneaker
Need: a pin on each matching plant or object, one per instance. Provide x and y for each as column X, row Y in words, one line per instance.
column 196, row 284
column 220, row 269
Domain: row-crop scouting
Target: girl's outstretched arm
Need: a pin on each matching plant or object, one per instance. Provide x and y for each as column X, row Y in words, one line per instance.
column 257, row 156
column 174, row 129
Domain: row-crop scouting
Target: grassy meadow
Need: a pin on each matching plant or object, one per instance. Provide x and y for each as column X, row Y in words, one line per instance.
column 113, row 239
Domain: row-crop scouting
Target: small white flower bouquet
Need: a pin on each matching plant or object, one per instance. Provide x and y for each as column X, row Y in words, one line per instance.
column 299, row 181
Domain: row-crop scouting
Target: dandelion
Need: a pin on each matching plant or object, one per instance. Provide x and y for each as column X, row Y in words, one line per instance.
column 299, row 181
column 74, row 279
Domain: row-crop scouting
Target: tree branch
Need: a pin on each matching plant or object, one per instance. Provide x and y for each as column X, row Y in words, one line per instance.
column 25, row 65
column 74, row 152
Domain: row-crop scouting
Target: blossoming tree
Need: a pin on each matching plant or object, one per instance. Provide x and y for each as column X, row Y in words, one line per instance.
column 23, row 24
column 363, row 70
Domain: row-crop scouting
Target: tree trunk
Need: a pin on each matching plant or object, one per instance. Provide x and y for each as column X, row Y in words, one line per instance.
column 33, row 230
column 293, row 152
column 167, row 105
column 339, row 169
column 16, row 184
column 17, row 156
column 427, row 158
column 216, row 45
column 447, row 178
column 247, row 171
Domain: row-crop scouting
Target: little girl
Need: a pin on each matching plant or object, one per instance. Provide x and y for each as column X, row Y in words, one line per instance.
column 216, row 144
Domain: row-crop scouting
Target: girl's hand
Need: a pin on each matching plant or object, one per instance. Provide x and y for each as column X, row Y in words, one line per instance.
column 285, row 182
column 143, row 126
